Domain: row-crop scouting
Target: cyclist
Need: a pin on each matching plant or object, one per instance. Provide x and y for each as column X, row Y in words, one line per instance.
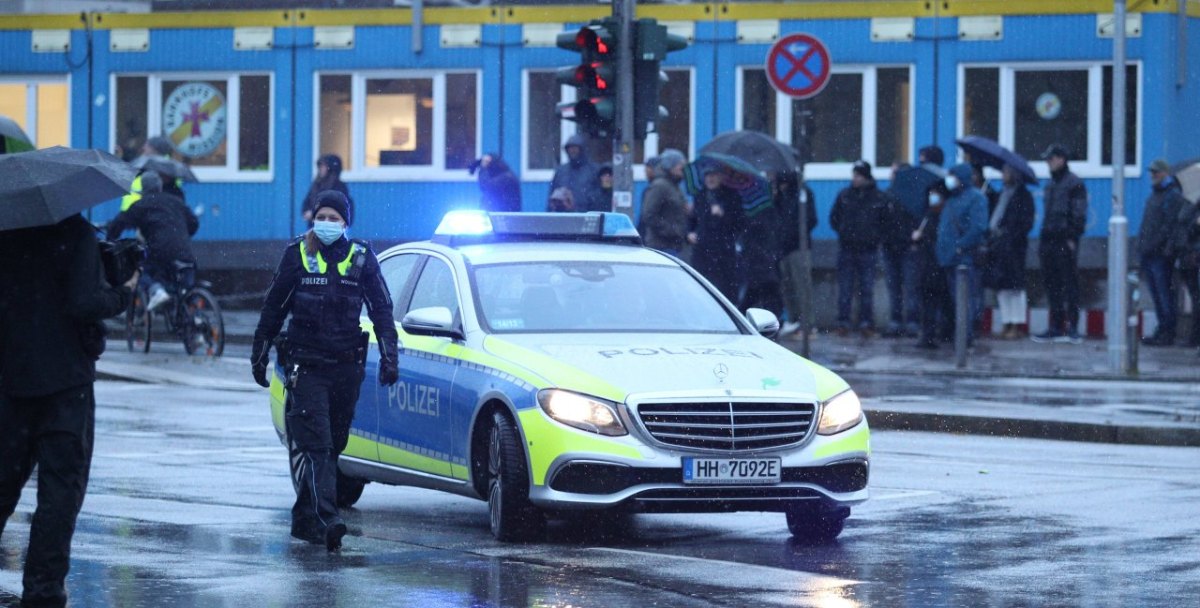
column 167, row 225
column 323, row 281
column 156, row 149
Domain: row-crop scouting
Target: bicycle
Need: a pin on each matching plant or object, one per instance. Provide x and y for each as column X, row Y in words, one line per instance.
column 192, row 314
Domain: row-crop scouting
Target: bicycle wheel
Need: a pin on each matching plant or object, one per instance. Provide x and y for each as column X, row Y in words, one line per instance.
column 203, row 329
column 139, row 322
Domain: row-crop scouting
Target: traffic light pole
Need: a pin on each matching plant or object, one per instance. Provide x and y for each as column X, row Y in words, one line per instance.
column 623, row 138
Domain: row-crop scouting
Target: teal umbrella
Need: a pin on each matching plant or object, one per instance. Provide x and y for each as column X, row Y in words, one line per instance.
column 751, row 186
column 12, row 137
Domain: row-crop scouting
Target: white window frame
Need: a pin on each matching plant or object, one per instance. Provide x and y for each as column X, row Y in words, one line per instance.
column 31, row 82
column 650, row 145
column 359, row 171
column 870, row 101
column 233, row 120
column 1091, row 166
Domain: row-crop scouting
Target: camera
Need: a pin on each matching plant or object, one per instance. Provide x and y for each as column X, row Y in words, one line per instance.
column 121, row 258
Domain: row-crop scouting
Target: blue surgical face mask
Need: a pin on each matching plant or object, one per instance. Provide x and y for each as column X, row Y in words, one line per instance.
column 328, row 232
column 935, row 199
column 952, row 183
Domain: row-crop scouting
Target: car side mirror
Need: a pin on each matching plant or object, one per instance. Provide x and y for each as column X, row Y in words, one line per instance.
column 432, row 321
column 764, row 321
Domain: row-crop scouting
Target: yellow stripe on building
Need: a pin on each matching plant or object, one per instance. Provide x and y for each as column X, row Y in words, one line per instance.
column 199, row 19
column 41, row 22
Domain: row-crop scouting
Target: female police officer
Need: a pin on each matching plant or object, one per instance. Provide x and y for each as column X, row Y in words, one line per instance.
column 323, row 281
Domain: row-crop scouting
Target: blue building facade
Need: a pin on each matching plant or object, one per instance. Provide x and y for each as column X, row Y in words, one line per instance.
column 258, row 96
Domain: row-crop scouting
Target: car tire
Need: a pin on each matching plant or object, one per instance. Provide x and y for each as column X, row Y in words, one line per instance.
column 349, row 490
column 513, row 517
column 815, row 523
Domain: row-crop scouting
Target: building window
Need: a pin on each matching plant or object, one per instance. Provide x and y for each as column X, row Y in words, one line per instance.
column 545, row 134
column 1029, row 107
column 220, row 124
column 40, row 105
column 399, row 125
column 863, row 112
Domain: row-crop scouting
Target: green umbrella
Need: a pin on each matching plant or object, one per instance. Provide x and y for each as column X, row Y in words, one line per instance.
column 12, row 137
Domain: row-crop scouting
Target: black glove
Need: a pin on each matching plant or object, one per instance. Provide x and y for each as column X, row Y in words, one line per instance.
column 388, row 372
column 259, row 358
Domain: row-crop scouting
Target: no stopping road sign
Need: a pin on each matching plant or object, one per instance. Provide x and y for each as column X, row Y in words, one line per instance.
column 798, row 66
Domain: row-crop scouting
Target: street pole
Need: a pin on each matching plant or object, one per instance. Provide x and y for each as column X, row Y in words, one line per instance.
column 623, row 138
column 805, row 287
column 1118, row 225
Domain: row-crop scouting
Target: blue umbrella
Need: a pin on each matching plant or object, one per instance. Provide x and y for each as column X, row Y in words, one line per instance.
column 911, row 187
column 986, row 152
column 751, row 186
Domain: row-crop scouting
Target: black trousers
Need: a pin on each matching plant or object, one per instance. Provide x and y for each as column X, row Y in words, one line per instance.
column 320, row 410
column 1060, row 273
column 55, row 434
column 937, row 305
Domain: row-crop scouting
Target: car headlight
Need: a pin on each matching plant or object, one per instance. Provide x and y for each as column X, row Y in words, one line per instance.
column 840, row 413
column 586, row 413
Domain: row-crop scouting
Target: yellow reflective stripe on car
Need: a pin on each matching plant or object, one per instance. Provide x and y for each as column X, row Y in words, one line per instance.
column 559, row 373
column 827, row 383
column 409, row 460
column 361, row 447
column 546, row 441
column 858, row 440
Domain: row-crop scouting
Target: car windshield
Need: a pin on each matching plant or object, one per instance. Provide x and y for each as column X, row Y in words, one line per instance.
column 596, row 297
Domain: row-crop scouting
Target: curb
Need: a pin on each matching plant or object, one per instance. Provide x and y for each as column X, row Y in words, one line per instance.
column 969, row 373
column 1034, row 429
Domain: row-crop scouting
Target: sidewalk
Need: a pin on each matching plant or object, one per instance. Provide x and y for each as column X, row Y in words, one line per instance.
column 1075, row 397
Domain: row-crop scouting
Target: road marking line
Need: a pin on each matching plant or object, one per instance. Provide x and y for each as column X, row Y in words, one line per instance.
column 833, row 580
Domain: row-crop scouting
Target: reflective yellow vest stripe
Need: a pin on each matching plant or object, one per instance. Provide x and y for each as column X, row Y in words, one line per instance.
column 135, row 194
column 319, row 262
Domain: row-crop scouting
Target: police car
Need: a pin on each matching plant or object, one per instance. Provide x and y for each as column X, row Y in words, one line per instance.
column 551, row 363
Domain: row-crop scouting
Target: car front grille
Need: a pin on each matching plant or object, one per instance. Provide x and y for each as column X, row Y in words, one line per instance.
column 728, row 425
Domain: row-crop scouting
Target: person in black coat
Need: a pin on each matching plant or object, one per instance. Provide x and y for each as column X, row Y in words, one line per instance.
column 788, row 195
column 937, row 306
column 1185, row 245
column 1011, row 218
column 1064, row 219
column 323, row 282
column 1156, row 254
column 718, row 222
column 329, row 177
column 167, row 225
column 857, row 217
column 758, row 272
column 498, row 184
column 51, row 334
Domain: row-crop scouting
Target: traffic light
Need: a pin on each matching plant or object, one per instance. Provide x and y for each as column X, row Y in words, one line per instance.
column 653, row 44
column 594, row 79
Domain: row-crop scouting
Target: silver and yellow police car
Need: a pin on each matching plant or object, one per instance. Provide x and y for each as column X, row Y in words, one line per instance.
column 550, row 363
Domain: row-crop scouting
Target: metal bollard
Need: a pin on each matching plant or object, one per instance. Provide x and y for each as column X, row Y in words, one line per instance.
column 961, row 315
column 1131, row 322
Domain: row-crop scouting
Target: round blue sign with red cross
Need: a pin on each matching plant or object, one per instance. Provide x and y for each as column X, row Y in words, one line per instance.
column 798, row 66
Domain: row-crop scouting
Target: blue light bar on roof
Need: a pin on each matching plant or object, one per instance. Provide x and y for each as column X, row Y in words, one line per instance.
column 474, row 226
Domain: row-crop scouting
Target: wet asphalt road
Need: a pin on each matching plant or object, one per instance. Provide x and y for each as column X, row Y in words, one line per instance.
column 188, row 506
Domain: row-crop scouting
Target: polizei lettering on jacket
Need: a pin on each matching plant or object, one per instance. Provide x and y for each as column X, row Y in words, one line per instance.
column 314, row 281
column 664, row 351
column 416, row 398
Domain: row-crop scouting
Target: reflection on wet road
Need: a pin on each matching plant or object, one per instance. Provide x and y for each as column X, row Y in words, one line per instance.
column 189, row 507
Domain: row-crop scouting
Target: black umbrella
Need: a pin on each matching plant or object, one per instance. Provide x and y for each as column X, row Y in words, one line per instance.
column 991, row 154
column 169, row 168
column 760, row 150
column 12, row 137
column 44, row 187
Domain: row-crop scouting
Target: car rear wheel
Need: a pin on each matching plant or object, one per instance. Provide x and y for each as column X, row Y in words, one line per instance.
column 816, row 523
column 349, row 490
column 513, row 517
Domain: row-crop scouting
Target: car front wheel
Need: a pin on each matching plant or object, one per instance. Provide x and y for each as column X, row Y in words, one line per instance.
column 513, row 516
column 816, row 523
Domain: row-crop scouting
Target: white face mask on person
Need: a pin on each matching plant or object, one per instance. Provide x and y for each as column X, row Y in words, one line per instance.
column 952, row 183
column 935, row 199
column 328, row 232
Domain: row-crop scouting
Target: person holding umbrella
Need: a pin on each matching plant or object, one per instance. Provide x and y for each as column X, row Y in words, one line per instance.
column 51, row 334
column 1010, row 220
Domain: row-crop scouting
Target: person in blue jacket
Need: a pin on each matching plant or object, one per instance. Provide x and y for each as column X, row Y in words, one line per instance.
column 961, row 230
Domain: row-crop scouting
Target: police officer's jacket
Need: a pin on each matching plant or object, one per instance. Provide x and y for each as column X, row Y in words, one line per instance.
column 324, row 291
